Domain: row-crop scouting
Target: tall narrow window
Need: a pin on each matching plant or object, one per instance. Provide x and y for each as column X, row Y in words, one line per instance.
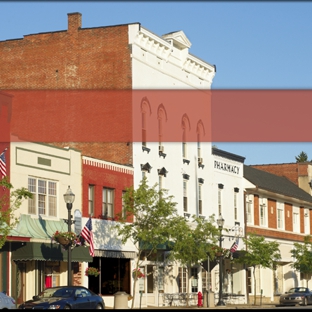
column 32, row 201
column 280, row 216
column 194, row 280
column 143, row 128
column 262, row 209
column 200, row 203
column 123, row 209
column 306, row 221
column 108, row 203
column 42, row 194
column 249, row 210
column 296, row 221
column 91, row 200
column 185, row 195
column 150, row 279
column 235, row 203
column 220, row 188
column 52, row 198
column 182, row 280
column 185, row 129
column 162, row 117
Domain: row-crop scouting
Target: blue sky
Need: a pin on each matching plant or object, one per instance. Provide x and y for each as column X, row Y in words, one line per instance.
column 254, row 45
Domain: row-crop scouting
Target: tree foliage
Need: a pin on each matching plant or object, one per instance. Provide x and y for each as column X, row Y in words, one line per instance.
column 302, row 157
column 302, row 252
column 259, row 252
column 9, row 203
column 154, row 220
column 193, row 242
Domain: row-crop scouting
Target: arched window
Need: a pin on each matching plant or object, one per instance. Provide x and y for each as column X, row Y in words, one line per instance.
column 185, row 129
column 200, row 134
column 145, row 111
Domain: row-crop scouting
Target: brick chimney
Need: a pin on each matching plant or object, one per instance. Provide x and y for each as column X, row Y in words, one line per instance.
column 74, row 21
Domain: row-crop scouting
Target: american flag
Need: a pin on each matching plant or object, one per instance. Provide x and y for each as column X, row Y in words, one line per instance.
column 234, row 246
column 3, row 164
column 87, row 235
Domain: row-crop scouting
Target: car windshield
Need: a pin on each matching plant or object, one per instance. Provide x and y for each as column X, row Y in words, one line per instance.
column 298, row 289
column 56, row 292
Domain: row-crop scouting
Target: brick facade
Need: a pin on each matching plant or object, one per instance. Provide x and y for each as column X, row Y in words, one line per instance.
column 77, row 58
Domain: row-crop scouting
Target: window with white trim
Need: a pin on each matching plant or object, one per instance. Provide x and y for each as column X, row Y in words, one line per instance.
column 44, row 200
column 182, row 280
column 306, row 222
column 200, row 202
column 249, row 209
column 123, row 209
column 108, row 202
column 296, row 220
column 185, row 195
column 91, row 199
column 220, row 188
column 262, row 211
column 236, row 190
column 280, row 215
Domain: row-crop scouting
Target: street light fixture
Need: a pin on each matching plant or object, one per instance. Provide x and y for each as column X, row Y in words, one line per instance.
column 220, row 223
column 69, row 198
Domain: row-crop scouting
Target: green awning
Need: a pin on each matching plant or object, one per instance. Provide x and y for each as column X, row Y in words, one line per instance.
column 165, row 246
column 28, row 251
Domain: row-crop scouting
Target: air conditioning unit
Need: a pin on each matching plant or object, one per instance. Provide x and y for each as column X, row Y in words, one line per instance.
column 200, row 160
column 161, row 149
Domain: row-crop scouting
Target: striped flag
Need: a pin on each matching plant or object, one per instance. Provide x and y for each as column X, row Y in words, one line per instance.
column 234, row 246
column 87, row 235
column 3, row 164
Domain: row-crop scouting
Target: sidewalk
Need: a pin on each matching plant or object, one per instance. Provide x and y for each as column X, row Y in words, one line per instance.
column 227, row 307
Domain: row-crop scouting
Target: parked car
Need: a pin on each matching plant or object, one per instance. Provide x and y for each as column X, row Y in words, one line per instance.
column 6, row 302
column 65, row 297
column 296, row 295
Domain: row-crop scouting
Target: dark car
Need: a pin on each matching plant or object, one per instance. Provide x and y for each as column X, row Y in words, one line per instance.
column 65, row 297
column 296, row 295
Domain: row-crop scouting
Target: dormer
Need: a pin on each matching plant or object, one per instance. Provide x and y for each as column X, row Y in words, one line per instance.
column 178, row 40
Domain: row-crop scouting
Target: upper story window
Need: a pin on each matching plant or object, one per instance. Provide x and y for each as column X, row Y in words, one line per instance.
column 296, row 220
column 200, row 133
column 220, row 189
column 200, row 201
column 249, row 209
column 185, row 195
column 280, row 215
column 185, row 129
column 236, row 190
column 91, row 200
column 145, row 111
column 162, row 117
column 123, row 209
column 306, row 221
column 263, row 211
column 108, row 203
column 44, row 201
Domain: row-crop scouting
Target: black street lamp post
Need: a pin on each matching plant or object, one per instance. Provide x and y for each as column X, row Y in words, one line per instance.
column 220, row 223
column 69, row 198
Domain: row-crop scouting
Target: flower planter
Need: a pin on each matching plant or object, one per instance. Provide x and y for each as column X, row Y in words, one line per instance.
column 219, row 254
column 63, row 241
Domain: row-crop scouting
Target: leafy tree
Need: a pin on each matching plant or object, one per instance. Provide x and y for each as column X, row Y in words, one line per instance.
column 193, row 241
column 8, row 205
column 302, row 157
column 154, row 221
column 259, row 252
column 302, row 252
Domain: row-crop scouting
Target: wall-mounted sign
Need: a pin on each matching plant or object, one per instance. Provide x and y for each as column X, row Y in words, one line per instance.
column 226, row 167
